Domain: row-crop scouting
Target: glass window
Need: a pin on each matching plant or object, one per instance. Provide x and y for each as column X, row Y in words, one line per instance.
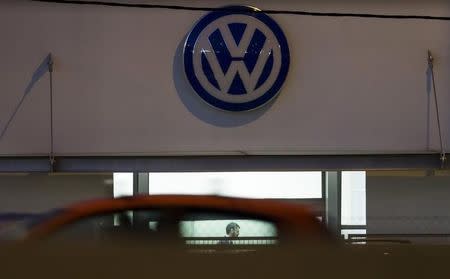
column 276, row 185
column 217, row 228
column 226, row 229
column 191, row 227
column 347, row 232
column 123, row 184
column 353, row 198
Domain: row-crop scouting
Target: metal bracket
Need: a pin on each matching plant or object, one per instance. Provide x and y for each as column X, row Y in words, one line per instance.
column 50, row 70
column 443, row 156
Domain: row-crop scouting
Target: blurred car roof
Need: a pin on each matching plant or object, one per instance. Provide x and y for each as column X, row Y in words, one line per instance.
column 293, row 218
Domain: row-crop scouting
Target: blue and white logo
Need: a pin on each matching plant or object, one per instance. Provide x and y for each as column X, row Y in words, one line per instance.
column 236, row 59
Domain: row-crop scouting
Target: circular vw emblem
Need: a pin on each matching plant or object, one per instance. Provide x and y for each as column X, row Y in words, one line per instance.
column 236, row 59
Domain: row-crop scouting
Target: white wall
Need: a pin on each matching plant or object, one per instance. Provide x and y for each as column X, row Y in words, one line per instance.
column 402, row 204
column 354, row 86
column 41, row 192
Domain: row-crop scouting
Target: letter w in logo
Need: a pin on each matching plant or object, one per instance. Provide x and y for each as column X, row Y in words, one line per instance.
column 241, row 60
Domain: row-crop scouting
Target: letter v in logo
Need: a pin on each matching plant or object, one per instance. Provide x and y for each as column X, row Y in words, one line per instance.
column 236, row 59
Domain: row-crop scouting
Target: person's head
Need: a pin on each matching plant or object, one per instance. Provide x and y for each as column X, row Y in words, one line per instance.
column 232, row 229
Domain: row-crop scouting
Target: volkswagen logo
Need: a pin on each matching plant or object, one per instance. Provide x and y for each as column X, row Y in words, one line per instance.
column 236, row 59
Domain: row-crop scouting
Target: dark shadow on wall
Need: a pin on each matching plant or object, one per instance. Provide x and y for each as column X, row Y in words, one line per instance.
column 203, row 110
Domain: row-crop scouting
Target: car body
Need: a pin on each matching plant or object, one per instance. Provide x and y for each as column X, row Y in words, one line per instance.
column 10, row 217
column 12, row 222
column 291, row 221
column 144, row 252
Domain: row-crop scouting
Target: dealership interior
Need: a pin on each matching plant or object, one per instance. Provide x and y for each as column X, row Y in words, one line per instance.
column 367, row 203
